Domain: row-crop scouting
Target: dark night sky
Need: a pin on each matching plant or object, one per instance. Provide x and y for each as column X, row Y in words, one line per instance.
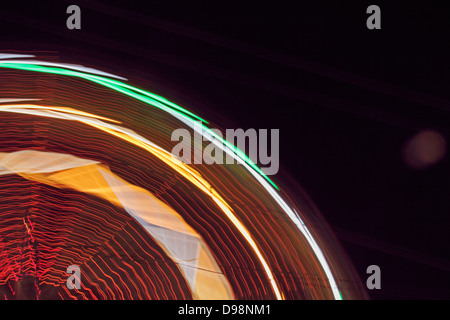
column 345, row 98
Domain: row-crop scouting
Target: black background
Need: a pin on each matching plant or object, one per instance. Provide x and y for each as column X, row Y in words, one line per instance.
column 345, row 98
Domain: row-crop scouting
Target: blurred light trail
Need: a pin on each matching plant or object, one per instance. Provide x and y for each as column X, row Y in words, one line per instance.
column 182, row 243
column 162, row 154
column 232, row 204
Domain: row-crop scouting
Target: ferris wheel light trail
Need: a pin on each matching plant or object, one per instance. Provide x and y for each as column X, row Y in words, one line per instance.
column 112, row 127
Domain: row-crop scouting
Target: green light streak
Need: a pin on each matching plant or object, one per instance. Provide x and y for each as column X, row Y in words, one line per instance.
column 142, row 95
column 115, row 85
